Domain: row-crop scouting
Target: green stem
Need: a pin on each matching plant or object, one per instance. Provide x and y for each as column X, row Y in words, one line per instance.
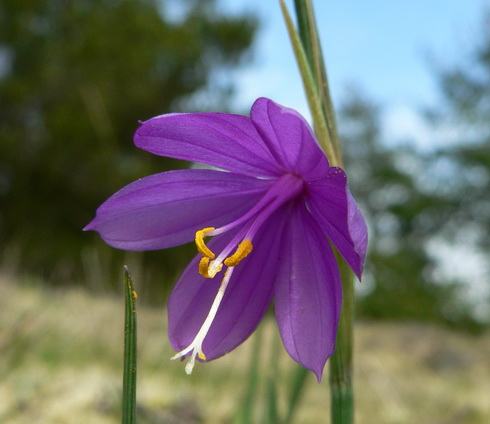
column 315, row 79
column 341, row 378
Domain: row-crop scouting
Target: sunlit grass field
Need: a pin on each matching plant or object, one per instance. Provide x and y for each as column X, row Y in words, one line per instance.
column 61, row 362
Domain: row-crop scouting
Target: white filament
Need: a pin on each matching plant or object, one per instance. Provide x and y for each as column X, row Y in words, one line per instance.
column 196, row 345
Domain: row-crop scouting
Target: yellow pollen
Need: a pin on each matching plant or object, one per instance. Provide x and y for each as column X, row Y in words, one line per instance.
column 201, row 246
column 242, row 251
column 204, row 266
column 201, row 356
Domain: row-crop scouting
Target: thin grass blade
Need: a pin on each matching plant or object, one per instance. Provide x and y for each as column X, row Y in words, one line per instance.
column 271, row 410
column 245, row 415
column 272, row 415
column 297, row 389
column 130, row 339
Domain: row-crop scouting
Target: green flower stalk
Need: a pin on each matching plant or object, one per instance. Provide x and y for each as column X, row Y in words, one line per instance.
column 308, row 54
column 275, row 219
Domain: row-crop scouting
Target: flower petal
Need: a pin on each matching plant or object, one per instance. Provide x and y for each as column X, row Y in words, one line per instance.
column 166, row 209
column 337, row 213
column 245, row 301
column 307, row 293
column 223, row 140
column 289, row 138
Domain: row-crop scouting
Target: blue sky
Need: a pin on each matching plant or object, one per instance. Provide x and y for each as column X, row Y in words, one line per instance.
column 381, row 46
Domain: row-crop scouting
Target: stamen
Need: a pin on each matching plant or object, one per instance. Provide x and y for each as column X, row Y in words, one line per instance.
column 203, row 267
column 279, row 193
column 214, row 268
column 242, row 251
column 201, row 246
column 209, row 270
column 196, row 346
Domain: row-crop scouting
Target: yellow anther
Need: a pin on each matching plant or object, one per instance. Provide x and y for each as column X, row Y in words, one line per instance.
column 204, row 268
column 201, row 246
column 242, row 251
column 201, row 356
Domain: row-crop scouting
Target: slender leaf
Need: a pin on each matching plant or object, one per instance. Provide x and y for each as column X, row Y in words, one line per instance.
column 245, row 414
column 319, row 122
column 272, row 413
column 129, row 376
column 311, row 43
column 297, row 389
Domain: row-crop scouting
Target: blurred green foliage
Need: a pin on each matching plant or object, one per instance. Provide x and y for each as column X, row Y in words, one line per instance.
column 75, row 79
column 414, row 199
column 465, row 92
column 403, row 217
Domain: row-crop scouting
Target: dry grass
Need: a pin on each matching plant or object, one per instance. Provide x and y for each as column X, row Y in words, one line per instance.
column 61, row 363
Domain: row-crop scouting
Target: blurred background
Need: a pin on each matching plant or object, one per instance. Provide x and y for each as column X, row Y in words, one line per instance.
column 411, row 87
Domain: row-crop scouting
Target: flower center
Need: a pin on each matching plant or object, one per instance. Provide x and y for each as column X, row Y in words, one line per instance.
column 209, row 269
column 285, row 188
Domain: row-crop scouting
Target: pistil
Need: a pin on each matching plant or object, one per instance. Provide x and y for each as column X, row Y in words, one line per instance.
column 283, row 190
column 196, row 346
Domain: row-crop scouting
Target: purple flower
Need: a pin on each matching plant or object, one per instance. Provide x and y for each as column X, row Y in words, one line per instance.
column 272, row 218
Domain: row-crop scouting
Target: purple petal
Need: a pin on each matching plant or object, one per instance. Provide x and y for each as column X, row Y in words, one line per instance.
column 244, row 304
column 223, row 140
column 307, row 293
column 337, row 213
column 165, row 210
column 289, row 138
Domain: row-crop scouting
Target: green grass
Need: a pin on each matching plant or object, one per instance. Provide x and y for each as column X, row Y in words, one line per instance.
column 61, row 362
